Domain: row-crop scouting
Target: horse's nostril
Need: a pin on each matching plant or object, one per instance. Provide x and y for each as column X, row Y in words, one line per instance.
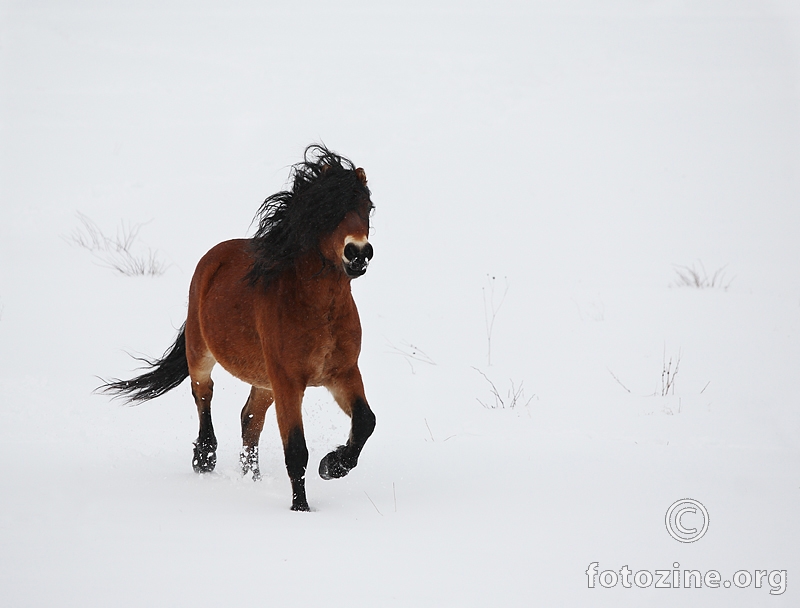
column 350, row 251
column 359, row 262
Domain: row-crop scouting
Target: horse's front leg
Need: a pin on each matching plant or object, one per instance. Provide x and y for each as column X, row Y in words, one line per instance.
column 348, row 391
column 288, row 402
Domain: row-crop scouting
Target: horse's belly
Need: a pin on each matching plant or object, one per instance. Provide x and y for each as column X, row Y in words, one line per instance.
column 231, row 336
column 252, row 372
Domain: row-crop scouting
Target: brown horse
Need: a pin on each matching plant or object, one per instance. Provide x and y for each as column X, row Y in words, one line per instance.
column 276, row 311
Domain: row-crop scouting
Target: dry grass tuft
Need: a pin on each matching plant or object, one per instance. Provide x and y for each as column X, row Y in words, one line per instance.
column 117, row 252
column 697, row 277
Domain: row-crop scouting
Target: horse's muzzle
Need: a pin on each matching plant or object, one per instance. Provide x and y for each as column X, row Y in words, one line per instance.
column 356, row 259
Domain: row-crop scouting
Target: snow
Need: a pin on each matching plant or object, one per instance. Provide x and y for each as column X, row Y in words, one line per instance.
column 576, row 153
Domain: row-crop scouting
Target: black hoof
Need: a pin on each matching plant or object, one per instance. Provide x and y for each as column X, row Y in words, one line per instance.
column 336, row 464
column 205, row 458
column 301, row 506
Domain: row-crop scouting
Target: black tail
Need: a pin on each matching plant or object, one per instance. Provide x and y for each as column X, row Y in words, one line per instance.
column 164, row 375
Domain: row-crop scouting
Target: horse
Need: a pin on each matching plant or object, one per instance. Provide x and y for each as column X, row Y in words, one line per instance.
column 277, row 312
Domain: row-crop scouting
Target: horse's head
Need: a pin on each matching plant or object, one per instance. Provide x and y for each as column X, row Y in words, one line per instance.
column 349, row 243
column 325, row 214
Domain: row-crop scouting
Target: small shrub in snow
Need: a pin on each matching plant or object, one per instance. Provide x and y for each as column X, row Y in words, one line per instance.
column 668, row 374
column 515, row 395
column 117, row 252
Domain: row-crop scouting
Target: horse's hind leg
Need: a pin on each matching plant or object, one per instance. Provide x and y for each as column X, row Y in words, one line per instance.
column 205, row 448
column 253, row 414
column 348, row 390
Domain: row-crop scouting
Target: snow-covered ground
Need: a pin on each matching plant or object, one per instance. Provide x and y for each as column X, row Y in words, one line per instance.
column 579, row 155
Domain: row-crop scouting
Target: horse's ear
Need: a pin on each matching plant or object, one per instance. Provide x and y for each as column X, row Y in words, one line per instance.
column 362, row 177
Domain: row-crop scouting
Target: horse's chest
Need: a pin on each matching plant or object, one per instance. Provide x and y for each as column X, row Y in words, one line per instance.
column 334, row 349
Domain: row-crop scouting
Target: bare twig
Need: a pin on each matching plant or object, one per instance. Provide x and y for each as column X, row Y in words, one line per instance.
column 373, row 504
column 516, row 394
column 498, row 400
column 668, row 374
column 429, row 429
column 490, row 311
column 411, row 353
column 613, row 375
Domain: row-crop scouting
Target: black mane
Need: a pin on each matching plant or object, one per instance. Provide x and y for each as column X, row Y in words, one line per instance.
column 325, row 188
